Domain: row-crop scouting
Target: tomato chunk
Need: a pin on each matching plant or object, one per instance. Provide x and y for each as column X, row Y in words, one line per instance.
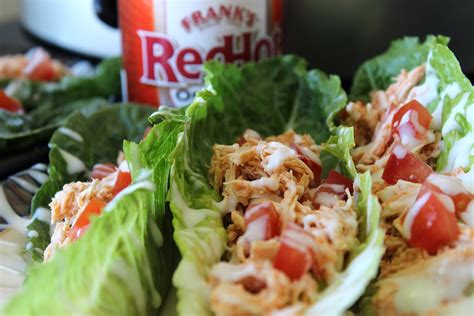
column 40, row 66
column 411, row 120
column 404, row 165
column 263, row 217
column 123, row 180
column 311, row 160
column 335, row 177
column 94, row 208
column 430, row 224
column 9, row 104
column 295, row 254
column 332, row 190
column 102, row 170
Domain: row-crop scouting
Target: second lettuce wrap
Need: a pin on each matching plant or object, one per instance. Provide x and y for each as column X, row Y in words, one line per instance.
column 270, row 97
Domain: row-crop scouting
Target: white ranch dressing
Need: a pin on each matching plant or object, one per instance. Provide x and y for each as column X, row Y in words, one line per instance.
column 400, row 152
column 71, row 134
column 448, row 184
column 451, row 123
column 38, row 176
column 460, row 152
column 156, row 234
column 32, row 234
column 191, row 217
column 255, row 230
column 279, row 153
column 464, row 147
column 25, row 185
column 412, row 213
column 74, row 164
column 271, row 184
column 468, row 180
column 147, row 185
column 42, row 214
column 451, row 90
column 40, row 167
column 14, row 221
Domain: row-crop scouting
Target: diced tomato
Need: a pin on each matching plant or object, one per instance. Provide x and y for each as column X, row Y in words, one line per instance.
column 123, row 180
column 312, row 163
column 9, row 104
column 315, row 168
column 94, row 208
column 40, row 66
column 295, row 254
column 430, row 223
column 412, row 119
column 265, row 213
column 102, row 170
column 335, row 177
column 404, row 165
column 332, row 190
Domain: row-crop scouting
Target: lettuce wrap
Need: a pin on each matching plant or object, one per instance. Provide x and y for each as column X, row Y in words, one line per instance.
column 123, row 264
column 428, row 244
column 47, row 105
column 270, row 97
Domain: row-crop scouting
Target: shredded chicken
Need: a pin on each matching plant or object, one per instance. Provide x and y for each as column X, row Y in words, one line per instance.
column 257, row 170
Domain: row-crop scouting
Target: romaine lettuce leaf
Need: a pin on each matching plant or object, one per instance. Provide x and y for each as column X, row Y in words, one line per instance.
column 339, row 146
column 83, row 141
column 269, row 97
column 48, row 104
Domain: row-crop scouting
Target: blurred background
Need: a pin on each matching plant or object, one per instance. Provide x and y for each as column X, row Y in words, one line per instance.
column 334, row 35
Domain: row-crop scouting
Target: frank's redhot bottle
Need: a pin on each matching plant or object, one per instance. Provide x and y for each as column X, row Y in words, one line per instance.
column 166, row 42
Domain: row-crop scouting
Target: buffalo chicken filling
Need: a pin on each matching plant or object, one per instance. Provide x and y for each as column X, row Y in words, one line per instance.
column 288, row 231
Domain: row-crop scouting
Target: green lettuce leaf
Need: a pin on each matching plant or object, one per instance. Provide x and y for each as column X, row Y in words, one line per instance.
column 111, row 270
column 339, row 146
column 47, row 105
column 458, row 133
column 83, row 141
column 269, row 97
